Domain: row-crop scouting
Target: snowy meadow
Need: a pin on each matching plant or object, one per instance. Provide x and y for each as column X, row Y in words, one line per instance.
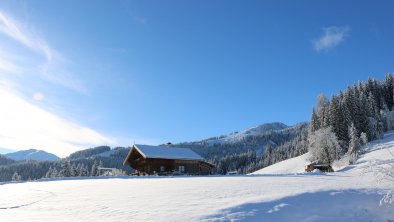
column 281, row 193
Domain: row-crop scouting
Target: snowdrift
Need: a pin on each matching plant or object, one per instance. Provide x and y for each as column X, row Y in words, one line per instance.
column 293, row 165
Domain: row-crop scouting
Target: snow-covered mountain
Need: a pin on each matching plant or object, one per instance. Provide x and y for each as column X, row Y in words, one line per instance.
column 32, row 154
column 236, row 136
column 254, row 138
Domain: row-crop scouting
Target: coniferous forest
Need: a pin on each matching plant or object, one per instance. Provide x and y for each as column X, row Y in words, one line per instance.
column 341, row 125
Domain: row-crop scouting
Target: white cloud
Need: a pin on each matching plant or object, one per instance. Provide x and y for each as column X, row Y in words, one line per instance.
column 331, row 37
column 24, row 125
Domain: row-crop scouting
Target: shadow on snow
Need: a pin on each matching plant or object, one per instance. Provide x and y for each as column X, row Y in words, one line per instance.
column 346, row 205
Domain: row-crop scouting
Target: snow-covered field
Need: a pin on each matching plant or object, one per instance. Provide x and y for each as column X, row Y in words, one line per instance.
column 351, row 194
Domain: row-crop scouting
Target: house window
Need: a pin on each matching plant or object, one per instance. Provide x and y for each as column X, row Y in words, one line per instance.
column 161, row 168
column 181, row 168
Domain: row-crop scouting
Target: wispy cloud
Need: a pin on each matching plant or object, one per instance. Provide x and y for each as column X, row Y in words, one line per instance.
column 331, row 37
column 38, row 69
column 7, row 66
column 15, row 30
column 51, row 68
column 24, row 125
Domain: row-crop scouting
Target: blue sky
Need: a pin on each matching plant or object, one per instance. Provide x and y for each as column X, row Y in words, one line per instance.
column 76, row 74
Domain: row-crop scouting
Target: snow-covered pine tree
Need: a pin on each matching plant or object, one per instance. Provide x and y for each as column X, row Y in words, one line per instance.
column 315, row 123
column 86, row 170
column 345, row 112
column 100, row 165
column 348, row 102
column 360, row 120
column 73, row 170
column 267, row 156
column 94, row 170
column 338, row 124
column 323, row 111
column 380, row 128
column 388, row 88
column 363, row 141
column 354, row 145
column 78, row 170
column 49, row 173
column 66, row 169
column 83, row 170
column 365, row 113
column 372, row 106
column 55, row 173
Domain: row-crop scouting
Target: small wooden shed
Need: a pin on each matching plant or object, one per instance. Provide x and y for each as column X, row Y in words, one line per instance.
column 322, row 167
column 163, row 160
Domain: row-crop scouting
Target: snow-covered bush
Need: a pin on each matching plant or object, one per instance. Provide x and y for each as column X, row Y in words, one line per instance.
column 323, row 145
column 16, row 177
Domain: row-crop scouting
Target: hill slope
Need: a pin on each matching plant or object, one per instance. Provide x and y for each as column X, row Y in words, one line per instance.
column 293, row 165
column 242, row 135
column 379, row 150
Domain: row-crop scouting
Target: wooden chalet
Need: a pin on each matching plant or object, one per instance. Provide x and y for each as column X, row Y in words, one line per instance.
column 164, row 160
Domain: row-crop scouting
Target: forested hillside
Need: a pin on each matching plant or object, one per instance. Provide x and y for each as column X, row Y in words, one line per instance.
column 362, row 113
column 5, row 161
column 236, row 143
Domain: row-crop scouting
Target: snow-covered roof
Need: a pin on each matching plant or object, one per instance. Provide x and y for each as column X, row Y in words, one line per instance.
column 164, row 152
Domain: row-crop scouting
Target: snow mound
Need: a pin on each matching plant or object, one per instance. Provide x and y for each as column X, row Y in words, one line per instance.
column 293, row 165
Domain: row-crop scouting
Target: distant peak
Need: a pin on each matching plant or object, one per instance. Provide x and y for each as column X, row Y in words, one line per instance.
column 32, row 154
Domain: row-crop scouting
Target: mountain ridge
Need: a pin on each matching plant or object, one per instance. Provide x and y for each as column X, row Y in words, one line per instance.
column 237, row 136
column 32, row 154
